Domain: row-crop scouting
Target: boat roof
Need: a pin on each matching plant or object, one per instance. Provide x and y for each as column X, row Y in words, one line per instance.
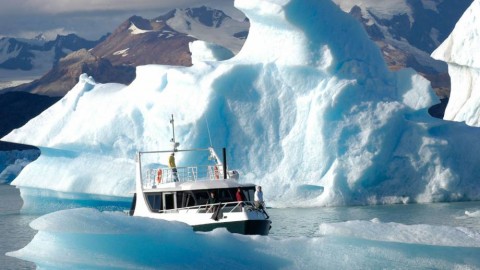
column 198, row 185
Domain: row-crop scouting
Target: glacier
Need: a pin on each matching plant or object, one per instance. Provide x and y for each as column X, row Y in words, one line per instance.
column 460, row 51
column 307, row 109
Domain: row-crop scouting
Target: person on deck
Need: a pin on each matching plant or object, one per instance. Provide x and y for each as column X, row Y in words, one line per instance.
column 258, row 198
column 239, row 195
column 259, row 202
column 173, row 166
column 212, row 198
column 213, row 208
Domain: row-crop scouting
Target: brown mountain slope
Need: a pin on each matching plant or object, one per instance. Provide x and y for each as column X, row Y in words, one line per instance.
column 138, row 41
column 63, row 76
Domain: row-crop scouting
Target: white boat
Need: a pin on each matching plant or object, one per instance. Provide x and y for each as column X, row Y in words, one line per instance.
column 182, row 194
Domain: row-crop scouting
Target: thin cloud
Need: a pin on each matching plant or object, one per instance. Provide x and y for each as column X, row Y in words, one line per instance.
column 24, row 18
column 72, row 6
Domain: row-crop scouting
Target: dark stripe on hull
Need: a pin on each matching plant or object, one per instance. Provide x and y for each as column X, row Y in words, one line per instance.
column 257, row 227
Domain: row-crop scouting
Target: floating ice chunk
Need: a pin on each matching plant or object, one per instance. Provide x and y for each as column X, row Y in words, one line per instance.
column 396, row 232
column 88, row 239
column 472, row 214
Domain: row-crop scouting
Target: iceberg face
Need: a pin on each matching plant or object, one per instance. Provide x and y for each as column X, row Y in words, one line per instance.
column 307, row 109
column 460, row 51
column 89, row 239
column 203, row 51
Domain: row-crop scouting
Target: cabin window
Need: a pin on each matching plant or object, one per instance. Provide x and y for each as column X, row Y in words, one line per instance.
column 155, row 202
column 249, row 192
column 169, row 201
column 186, row 198
column 180, row 199
column 202, row 197
column 226, row 195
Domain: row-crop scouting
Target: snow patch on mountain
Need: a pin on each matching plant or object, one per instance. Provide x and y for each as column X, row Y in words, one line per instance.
column 220, row 32
column 137, row 31
column 385, row 10
column 6, row 51
column 123, row 52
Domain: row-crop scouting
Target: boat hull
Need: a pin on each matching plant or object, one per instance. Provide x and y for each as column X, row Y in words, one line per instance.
column 248, row 227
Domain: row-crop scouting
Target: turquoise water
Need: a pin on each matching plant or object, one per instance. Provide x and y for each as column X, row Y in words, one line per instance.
column 293, row 222
column 287, row 223
column 14, row 230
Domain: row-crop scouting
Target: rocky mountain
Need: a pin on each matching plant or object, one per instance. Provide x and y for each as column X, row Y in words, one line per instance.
column 164, row 40
column 407, row 32
column 17, row 108
column 138, row 41
column 64, row 75
column 24, row 54
column 209, row 25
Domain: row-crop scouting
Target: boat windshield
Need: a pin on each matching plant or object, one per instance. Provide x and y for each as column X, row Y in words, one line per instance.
column 159, row 201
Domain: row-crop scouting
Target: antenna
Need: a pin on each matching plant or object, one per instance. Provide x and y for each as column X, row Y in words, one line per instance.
column 208, row 130
column 175, row 144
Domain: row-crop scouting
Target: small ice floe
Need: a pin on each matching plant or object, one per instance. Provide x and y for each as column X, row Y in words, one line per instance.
column 474, row 214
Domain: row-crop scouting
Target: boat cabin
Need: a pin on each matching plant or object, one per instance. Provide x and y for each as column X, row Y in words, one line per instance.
column 187, row 197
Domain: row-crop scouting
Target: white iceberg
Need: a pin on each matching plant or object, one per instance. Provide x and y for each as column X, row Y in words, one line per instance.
column 307, row 109
column 460, row 51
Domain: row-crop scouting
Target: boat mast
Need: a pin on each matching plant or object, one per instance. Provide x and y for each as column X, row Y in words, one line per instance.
column 175, row 144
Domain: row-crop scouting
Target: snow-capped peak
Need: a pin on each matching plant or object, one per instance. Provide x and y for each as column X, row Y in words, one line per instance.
column 40, row 37
column 384, row 10
column 210, row 25
column 136, row 31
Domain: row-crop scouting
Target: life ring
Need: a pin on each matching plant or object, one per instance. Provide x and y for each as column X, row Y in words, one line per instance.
column 216, row 173
column 159, row 176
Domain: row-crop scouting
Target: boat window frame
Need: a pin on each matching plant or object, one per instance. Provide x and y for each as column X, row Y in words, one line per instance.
column 155, row 196
column 164, row 200
column 249, row 193
column 197, row 200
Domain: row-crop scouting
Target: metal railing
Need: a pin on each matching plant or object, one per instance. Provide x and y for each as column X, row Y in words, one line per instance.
column 225, row 207
column 154, row 177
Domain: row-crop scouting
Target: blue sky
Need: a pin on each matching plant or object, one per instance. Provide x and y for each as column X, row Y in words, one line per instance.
column 88, row 18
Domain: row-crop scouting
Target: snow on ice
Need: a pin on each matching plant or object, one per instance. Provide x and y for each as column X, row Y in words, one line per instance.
column 460, row 51
column 307, row 109
column 88, row 239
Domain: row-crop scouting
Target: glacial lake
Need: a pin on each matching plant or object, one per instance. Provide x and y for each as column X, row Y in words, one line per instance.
column 288, row 223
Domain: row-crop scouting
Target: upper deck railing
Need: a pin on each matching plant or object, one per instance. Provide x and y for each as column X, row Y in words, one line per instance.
column 158, row 176
column 151, row 177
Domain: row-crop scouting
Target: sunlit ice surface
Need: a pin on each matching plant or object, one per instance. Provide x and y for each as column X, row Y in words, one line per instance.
column 89, row 239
